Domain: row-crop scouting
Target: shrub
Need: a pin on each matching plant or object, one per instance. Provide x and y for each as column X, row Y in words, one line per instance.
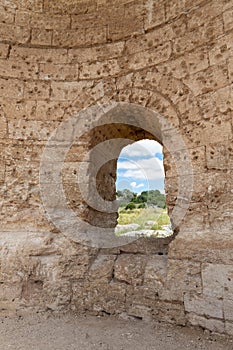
column 142, row 206
column 130, row 206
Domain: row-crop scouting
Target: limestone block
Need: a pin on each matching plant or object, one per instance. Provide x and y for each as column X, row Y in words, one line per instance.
column 102, row 268
column 36, row 5
column 57, row 295
column 222, row 49
column 179, row 159
column 213, row 325
column 159, row 104
column 48, row 109
column 19, row 109
column 39, row 20
column 74, row 267
column 206, row 131
column 216, row 103
column 12, row 33
column 211, row 79
column 155, row 14
column 10, row 292
column 156, row 272
column 31, row 219
column 4, row 49
column 41, row 36
column 23, row 171
column 97, row 53
column 228, row 19
column 229, row 328
column 196, row 217
column 99, row 297
column 89, row 20
column 38, row 55
column 140, row 311
column 202, row 246
column 37, row 89
column 169, row 312
column 220, row 210
column 69, row 7
column 51, row 71
column 189, row 109
column 23, row 151
column 228, row 309
column 11, row 87
column 173, row 89
column 122, row 26
column 6, row 15
column 31, row 130
column 198, row 36
column 95, row 35
column 204, row 14
column 20, row 70
column 150, row 57
column 147, row 246
column 219, row 156
column 141, row 97
column 130, row 269
column 174, row 8
column 69, row 38
column 99, row 69
column 22, row 18
column 203, row 305
column 189, row 63
column 63, row 91
column 218, row 281
column 182, row 276
column 141, row 295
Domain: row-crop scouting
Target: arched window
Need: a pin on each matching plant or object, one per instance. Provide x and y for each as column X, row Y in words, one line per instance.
column 140, row 191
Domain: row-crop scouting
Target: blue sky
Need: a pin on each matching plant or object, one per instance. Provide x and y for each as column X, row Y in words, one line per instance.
column 140, row 167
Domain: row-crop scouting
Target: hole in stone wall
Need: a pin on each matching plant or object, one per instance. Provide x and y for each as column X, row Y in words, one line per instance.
column 140, row 191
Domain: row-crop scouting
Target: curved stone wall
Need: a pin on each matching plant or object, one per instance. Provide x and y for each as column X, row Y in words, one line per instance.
column 172, row 57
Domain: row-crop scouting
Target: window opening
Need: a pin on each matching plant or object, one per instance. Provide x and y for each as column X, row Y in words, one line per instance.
column 141, row 191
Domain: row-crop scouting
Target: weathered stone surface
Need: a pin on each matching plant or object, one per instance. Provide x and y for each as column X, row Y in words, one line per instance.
column 213, row 325
column 182, row 276
column 130, row 269
column 98, row 297
column 217, row 280
column 156, row 272
column 102, row 268
column 170, row 59
column 206, row 306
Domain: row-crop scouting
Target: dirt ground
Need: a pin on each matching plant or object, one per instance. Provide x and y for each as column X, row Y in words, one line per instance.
column 69, row 332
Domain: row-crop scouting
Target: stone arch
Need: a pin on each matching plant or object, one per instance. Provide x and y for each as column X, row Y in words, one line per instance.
column 104, row 131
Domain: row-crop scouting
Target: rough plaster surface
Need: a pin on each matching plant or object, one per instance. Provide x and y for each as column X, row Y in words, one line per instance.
column 172, row 57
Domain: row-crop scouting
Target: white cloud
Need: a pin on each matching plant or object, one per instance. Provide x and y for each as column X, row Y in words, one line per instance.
column 134, row 185
column 143, row 148
column 146, row 169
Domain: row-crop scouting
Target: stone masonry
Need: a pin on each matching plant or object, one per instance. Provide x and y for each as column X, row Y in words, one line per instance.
column 172, row 57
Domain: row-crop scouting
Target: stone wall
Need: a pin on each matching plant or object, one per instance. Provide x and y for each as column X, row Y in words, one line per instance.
column 169, row 57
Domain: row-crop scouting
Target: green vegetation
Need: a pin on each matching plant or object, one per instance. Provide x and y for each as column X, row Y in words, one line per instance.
column 147, row 209
column 130, row 206
column 141, row 216
column 146, row 198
